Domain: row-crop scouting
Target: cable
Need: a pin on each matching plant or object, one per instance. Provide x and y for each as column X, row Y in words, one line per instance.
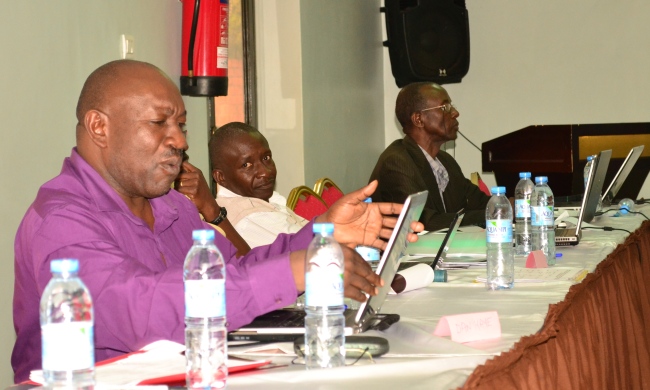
column 599, row 213
column 631, row 212
column 638, row 212
column 467, row 139
column 606, row 228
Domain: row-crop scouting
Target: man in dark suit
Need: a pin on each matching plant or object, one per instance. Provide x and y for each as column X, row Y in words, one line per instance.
column 416, row 163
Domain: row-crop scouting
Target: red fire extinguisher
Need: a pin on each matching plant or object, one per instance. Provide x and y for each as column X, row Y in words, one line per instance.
column 204, row 66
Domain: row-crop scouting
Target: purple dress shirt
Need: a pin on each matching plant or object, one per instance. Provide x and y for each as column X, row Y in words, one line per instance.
column 135, row 275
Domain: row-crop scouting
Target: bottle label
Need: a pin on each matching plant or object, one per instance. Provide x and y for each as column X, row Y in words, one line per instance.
column 68, row 346
column 324, row 287
column 498, row 230
column 542, row 216
column 522, row 208
column 205, row 298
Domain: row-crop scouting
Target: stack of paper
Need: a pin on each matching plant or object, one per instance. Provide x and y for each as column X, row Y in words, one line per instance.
column 161, row 362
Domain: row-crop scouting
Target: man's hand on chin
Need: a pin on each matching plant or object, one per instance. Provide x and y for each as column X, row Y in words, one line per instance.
column 359, row 223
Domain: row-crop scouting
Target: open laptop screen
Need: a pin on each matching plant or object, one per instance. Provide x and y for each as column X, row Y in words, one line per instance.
column 622, row 174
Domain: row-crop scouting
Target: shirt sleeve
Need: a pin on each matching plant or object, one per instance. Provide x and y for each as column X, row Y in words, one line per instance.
column 262, row 228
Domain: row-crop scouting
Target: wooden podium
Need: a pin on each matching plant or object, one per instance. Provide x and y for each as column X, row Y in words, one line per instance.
column 560, row 152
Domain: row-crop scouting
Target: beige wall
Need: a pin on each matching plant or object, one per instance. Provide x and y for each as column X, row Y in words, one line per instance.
column 49, row 47
column 546, row 62
column 279, row 78
column 342, row 90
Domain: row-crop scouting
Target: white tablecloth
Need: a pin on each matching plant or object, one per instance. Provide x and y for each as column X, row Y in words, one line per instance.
column 419, row 360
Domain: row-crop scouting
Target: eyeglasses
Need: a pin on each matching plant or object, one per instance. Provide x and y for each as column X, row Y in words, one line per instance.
column 446, row 108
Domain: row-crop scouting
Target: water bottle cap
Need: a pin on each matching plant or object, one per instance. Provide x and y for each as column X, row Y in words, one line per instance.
column 589, row 158
column 203, row 235
column 368, row 200
column 64, row 265
column 440, row 275
column 524, row 175
column 323, row 228
column 541, row 179
column 498, row 190
column 368, row 253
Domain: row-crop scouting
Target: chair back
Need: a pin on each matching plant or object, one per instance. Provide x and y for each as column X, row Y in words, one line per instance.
column 327, row 190
column 477, row 181
column 306, row 203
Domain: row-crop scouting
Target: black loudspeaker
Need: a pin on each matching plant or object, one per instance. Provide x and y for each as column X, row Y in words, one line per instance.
column 428, row 40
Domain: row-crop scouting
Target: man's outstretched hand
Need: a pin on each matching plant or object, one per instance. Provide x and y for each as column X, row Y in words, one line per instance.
column 359, row 223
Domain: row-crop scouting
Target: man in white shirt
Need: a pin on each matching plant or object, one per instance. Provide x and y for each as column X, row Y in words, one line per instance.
column 243, row 168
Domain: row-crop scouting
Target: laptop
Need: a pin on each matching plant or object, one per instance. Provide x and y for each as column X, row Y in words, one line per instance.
column 565, row 236
column 621, row 175
column 441, row 256
column 288, row 324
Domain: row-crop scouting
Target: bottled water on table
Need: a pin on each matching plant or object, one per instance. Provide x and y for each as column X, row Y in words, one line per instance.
column 67, row 317
column 500, row 253
column 523, row 191
column 324, row 323
column 585, row 173
column 543, row 221
column 204, row 274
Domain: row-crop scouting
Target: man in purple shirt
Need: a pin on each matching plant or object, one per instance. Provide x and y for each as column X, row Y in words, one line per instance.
column 111, row 208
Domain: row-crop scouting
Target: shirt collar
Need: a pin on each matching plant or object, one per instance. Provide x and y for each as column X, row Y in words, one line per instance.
column 107, row 199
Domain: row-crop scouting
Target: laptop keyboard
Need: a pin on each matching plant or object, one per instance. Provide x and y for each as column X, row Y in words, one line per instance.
column 280, row 318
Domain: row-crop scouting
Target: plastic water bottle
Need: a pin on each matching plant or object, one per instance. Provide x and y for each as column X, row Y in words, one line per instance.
column 523, row 191
column 543, row 221
column 206, row 351
column 500, row 254
column 585, row 173
column 67, row 329
column 324, row 323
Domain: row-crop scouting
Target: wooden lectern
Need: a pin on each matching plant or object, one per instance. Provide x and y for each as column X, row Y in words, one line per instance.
column 560, row 152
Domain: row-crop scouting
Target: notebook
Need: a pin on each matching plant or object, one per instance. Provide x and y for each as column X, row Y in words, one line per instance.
column 288, row 324
column 621, row 175
column 571, row 235
column 441, row 256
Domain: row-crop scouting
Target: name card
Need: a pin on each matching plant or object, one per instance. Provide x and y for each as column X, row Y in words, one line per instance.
column 464, row 328
column 536, row 259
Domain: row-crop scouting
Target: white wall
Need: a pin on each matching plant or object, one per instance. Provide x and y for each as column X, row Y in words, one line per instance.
column 546, row 62
column 48, row 49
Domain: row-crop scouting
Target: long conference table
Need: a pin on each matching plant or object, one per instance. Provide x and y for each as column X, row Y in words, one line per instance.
column 591, row 334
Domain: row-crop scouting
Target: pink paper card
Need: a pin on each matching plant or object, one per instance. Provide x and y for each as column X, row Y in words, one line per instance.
column 536, row 259
column 464, row 328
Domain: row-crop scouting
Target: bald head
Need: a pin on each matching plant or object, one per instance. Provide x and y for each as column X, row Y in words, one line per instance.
column 412, row 99
column 101, row 85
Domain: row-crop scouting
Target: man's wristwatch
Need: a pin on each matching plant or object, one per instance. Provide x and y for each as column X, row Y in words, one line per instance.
column 220, row 217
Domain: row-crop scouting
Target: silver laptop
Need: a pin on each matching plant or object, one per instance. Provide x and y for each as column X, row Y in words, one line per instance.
column 288, row 324
column 621, row 175
column 571, row 235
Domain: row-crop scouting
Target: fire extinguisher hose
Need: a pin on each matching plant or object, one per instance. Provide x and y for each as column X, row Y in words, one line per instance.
column 190, row 51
